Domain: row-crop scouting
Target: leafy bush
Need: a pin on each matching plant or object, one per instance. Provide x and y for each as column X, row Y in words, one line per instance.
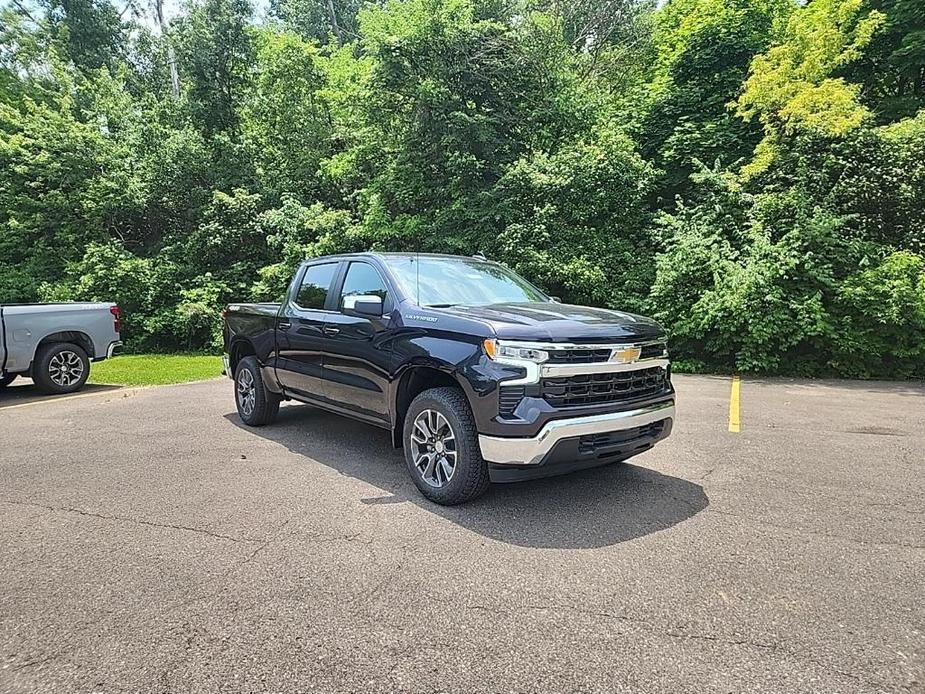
column 192, row 323
column 576, row 220
column 294, row 233
column 779, row 291
column 884, row 328
column 874, row 178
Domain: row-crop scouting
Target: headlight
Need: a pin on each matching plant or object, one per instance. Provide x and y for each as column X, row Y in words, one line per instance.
column 498, row 350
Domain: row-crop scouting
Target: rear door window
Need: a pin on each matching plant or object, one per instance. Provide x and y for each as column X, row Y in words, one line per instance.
column 313, row 292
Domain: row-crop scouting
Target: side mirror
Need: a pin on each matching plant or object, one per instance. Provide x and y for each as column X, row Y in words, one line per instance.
column 364, row 304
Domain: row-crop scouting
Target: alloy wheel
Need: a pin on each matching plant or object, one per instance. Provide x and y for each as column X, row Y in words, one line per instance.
column 433, row 445
column 247, row 392
column 66, row 368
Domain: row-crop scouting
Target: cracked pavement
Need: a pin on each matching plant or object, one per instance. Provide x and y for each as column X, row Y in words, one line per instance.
column 152, row 544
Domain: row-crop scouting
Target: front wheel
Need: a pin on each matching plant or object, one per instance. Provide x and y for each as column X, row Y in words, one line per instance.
column 442, row 447
column 60, row 367
column 256, row 405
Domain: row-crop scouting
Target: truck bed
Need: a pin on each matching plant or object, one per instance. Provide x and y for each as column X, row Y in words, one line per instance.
column 24, row 326
column 257, row 321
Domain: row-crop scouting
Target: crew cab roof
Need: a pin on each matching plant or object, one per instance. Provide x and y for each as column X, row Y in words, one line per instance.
column 393, row 254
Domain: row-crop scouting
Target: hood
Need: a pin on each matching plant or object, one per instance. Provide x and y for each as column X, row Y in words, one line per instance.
column 552, row 322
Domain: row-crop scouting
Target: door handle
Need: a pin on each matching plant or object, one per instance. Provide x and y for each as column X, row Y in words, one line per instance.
column 284, row 325
column 330, row 330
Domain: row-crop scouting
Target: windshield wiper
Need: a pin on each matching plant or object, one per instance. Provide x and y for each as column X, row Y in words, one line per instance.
column 439, row 305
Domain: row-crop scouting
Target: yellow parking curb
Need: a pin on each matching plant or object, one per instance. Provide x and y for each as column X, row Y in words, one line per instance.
column 734, row 406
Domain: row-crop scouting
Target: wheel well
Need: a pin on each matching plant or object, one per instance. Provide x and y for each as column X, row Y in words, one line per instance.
column 412, row 383
column 239, row 350
column 75, row 337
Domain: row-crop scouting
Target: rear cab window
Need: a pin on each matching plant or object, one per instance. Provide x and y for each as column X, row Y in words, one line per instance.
column 316, row 283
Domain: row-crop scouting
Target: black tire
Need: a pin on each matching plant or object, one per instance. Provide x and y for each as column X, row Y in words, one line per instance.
column 7, row 380
column 469, row 478
column 60, row 367
column 264, row 406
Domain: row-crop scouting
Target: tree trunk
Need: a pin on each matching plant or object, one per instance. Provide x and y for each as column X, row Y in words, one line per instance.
column 334, row 24
column 171, row 56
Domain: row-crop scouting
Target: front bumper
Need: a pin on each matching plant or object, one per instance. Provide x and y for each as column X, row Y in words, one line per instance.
column 226, row 366
column 535, row 450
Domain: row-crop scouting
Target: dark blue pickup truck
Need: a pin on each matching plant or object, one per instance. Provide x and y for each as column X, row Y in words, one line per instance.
column 479, row 375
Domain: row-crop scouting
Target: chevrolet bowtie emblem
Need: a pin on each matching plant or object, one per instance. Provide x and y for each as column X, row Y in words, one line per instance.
column 625, row 355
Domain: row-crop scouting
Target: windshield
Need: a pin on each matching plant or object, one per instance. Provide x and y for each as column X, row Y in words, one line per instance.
column 451, row 281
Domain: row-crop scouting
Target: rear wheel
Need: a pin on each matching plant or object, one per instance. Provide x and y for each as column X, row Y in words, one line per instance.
column 60, row 367
column 257, row 406
column 7, row 380
column 442, row 447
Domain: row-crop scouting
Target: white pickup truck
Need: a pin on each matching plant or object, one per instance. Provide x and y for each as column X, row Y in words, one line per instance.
column 55, row 343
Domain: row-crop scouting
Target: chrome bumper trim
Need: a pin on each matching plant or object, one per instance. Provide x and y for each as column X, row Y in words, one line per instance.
column 226, row 366
column 579, row 346
column 531, row 451
column 534, row 371
column 114, row 349
column 554, row 370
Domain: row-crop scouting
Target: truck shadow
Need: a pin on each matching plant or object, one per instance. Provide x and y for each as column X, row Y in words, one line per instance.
column 586, row 509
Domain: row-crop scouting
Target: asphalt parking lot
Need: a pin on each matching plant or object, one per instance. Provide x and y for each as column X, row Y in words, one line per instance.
column 150, row 543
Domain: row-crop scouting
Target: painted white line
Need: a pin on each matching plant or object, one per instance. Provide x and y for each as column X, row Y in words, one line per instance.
column 115, row 391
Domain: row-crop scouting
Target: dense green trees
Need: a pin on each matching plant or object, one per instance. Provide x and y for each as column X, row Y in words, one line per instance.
column 752, row 172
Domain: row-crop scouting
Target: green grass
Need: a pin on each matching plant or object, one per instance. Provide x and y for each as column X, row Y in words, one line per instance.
column 155, row 369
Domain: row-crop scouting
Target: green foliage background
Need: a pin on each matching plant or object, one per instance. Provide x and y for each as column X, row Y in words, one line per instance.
column 751, row 172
